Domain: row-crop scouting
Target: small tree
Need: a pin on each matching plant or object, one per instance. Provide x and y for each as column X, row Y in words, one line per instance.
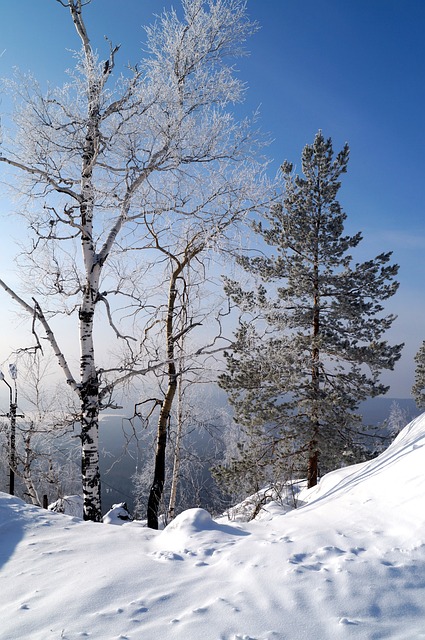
column 418, row 389
column 305, row 359
column 183, row 310
column 261, row 450
column 177, row 325
column 397, row 419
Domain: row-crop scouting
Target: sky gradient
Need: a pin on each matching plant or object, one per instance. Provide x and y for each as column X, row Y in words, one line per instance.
column 353, row 69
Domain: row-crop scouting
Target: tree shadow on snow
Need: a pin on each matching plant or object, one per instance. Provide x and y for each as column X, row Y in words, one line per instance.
column 11, row 526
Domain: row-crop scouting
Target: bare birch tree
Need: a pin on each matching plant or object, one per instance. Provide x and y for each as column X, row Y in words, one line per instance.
column 96, row 158
column 184, row 308
column 184, row 249
column 173, row 335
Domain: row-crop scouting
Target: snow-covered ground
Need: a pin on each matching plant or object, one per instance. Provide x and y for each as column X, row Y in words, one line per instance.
column 350, row 563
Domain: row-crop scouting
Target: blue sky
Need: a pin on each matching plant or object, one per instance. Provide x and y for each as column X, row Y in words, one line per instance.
column 354, row 69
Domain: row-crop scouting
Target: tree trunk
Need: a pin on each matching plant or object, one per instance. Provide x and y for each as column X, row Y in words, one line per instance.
column 313, row 466
column 90, row 404
column 313, row 460
column 12, row 445
column 177, row 455
column 157, row 487
column 90, row 399
column 27, row 475
column 90, row 454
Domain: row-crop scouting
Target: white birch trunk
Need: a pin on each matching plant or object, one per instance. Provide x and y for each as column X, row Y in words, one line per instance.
column 89, row 414
column 27, row 475
column 90, row 399
column 177, row 452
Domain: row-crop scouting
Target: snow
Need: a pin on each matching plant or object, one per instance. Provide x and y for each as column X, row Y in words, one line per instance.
column 350, row 563
column 118, row 514
column 70, row 505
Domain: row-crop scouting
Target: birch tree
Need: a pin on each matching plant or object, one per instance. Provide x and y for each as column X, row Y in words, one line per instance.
column 180, row 311
column 96, row 158
column 304, row 359
column 187, row 337
column 174, row 334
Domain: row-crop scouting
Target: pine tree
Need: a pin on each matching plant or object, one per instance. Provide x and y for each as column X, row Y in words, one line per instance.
column 418, row 389
column 304, row 359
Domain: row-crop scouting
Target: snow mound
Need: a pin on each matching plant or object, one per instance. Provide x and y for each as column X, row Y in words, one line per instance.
column 69, row 505
column 195, row 532
column 191, row 521
column 118, row 514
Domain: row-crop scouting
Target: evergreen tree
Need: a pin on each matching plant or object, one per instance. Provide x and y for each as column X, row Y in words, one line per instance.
column 304, row 359
column 418, row 389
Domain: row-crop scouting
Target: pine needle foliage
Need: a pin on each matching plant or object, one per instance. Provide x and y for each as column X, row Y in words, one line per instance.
column 418, row 389
column 310, row 342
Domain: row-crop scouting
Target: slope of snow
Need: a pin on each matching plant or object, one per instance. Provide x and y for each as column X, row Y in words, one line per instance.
column 348, row 564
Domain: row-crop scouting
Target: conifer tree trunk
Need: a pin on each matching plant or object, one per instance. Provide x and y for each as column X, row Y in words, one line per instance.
column 312, row 464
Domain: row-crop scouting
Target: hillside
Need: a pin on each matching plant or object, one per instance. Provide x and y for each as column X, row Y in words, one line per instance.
column 350, row 563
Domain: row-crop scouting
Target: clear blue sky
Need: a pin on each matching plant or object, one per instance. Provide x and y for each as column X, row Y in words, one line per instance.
column 353, row 68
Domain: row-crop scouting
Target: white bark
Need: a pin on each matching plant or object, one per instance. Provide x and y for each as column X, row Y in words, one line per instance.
column 177, row 451
column 106, row 162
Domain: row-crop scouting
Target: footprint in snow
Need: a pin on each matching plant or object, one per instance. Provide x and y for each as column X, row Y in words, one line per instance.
column 166, row 556
column 347, row 621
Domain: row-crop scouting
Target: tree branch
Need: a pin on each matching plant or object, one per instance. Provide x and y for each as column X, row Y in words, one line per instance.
column 38, row 313
column 42, row 175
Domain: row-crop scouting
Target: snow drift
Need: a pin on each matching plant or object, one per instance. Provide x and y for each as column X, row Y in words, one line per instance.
column 350, row 563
